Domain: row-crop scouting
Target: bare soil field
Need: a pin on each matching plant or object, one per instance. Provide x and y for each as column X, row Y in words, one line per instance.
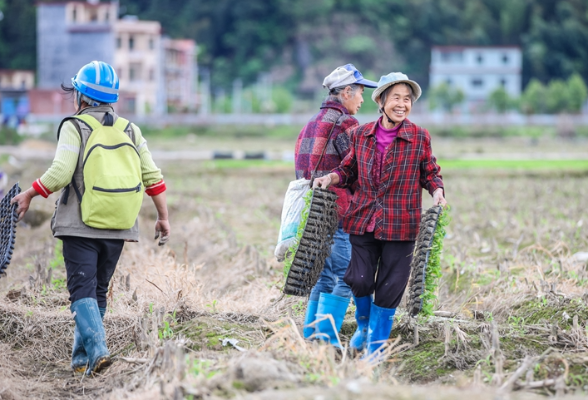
column 203, row 318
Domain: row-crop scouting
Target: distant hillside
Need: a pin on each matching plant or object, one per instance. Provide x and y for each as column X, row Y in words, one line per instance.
column 299, row 41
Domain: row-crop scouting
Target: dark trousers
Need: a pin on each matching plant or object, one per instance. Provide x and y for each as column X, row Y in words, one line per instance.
column 89, row 264
column 388, row 278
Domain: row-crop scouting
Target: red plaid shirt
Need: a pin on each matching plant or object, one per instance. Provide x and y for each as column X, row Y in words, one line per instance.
column 313, row 139
column 408, row 166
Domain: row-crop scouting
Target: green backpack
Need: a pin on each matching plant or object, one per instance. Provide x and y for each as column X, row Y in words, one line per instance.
column 112, row 176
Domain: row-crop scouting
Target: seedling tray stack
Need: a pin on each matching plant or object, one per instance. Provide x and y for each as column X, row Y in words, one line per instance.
column 8, row 217
column 424, row 276
column 315, row 243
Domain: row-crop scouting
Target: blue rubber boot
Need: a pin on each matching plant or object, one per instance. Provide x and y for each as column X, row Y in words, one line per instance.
column 91, row 330
column 79, row 358
column 381, row 320
column 328, row 329
column 310, row 318
column 362, row 316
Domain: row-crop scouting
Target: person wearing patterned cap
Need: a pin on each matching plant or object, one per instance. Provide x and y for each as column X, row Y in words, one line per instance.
column 90, row 250
column 327, row 132
column 390, row 161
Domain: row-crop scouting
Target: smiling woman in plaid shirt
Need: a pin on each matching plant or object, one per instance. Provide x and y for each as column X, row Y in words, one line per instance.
column 390, row 161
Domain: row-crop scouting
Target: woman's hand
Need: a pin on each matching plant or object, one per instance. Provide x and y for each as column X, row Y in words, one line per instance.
column 438, row 199
column 325, row 181
column 162, row 231
column 24, row 201
column 162, row 227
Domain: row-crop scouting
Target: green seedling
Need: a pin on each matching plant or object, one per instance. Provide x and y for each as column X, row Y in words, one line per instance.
column 433, row 275
column 212, row 306
column 303, row 218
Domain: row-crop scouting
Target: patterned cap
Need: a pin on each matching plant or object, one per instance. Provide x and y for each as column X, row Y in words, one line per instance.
column 346, row 75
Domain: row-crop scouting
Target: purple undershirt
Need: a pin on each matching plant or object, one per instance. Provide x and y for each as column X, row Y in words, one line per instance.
column 384, row 138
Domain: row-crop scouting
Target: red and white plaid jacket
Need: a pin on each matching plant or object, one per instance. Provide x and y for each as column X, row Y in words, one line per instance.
column 408, row 166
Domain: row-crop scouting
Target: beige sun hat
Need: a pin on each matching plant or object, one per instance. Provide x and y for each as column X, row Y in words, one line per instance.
column 393, row 78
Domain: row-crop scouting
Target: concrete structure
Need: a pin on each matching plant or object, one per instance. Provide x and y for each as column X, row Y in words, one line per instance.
column 69, row 35
column 73, row 33
column 17, row 79
column 477, row 71
column 138, row 62
column 14, row 99
column 180, row 74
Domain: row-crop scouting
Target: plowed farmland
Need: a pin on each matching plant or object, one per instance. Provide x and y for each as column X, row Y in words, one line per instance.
column 203, row 317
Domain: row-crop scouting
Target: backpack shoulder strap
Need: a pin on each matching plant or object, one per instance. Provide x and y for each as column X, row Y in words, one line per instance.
column 64, row 121
column 121, row 124
column 92, row 122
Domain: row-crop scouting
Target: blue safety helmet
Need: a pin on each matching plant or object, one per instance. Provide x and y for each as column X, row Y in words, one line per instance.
column 98, row 81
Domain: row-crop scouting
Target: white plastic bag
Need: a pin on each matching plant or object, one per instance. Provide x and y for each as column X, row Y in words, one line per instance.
column 291, row 215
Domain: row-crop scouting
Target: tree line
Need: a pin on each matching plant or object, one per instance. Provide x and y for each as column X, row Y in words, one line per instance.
column 300, row 41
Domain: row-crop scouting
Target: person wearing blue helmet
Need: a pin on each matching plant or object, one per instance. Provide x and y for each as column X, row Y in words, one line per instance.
column 91, row 254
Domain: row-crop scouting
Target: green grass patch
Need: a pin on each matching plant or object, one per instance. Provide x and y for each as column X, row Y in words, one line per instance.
column 515, row 164
column 544, row 310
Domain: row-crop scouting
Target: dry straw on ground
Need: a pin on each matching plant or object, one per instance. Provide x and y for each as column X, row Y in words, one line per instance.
column 512, row 289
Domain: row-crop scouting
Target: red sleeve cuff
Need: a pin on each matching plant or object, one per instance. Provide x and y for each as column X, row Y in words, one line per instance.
column 340, row 178
column 156, row 188
column 41, row 189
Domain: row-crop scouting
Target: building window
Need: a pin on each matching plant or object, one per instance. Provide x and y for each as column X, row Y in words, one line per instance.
column 118, row 42
column 151, row 75
column 94, row 16
column 151, row 43
column 480, row 59
column 135, row 72
column 74, row 14
column 448, row 81
column 477, row 82
column 503, row 82
column 505, row 59
column 23, row 84
column 131, row 42
column 451, row 56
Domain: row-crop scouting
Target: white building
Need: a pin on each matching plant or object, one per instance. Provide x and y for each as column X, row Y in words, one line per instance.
column 477, row 71
column 138, row 63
